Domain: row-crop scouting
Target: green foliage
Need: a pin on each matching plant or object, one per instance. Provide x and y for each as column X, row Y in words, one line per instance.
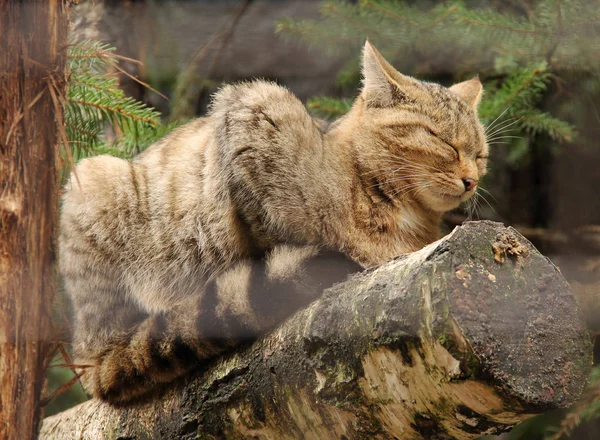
column 560, row 424
column 99, row 118
column 518, row 98
column 57, row 377
column 592, row 410
column 519, row 50
column 588, row 408
column 327, row 107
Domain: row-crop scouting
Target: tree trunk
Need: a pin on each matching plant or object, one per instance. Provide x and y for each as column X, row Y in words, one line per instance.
column 465, row 337
column 31, row 58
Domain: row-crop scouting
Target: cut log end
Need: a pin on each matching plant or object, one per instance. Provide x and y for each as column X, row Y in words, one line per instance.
column 466, row 337
column 519, row 316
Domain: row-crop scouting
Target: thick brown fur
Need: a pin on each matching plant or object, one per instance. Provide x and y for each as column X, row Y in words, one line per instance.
column 206, row 239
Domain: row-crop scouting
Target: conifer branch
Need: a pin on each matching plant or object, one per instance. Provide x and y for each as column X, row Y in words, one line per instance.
column 500, row 26
column 121, row 110
column 388, row 12
column 94, row 103
column 523, row 86
column 330, row 7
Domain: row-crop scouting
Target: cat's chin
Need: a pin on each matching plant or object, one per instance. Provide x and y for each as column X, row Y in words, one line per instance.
column 443, row 202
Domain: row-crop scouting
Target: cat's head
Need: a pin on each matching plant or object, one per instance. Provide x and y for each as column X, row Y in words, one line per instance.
column 417, row 139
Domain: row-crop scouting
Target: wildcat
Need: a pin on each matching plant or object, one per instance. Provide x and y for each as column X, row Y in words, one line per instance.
column 224, row 227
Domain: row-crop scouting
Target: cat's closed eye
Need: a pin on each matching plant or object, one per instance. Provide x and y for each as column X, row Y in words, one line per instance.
column 438, row 137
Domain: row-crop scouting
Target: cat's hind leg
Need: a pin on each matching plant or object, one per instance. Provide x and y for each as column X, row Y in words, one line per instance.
column 236, row 307
column 103, row 317
column 163, row 347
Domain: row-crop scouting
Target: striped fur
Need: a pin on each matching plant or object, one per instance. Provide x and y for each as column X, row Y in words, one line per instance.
column 224, row 227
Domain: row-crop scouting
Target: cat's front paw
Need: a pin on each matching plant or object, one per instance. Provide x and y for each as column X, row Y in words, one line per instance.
column 116, row 379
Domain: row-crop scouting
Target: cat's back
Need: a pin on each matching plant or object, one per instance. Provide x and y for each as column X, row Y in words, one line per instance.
column 253, row 97
column 172, row 150
column 116, row 210
column 262, row 114
column 149, row 208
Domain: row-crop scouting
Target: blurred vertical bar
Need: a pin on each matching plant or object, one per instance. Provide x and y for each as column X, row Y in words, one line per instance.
column 32, row 69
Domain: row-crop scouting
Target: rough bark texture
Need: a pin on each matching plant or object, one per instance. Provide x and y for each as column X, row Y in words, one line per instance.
column 468, row 336
column 32, row 46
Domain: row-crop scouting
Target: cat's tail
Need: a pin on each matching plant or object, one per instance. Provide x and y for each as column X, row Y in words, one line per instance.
column 237, row 306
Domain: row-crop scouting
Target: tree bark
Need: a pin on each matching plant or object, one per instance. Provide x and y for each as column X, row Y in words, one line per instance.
column 468, row 336
column 32, row 55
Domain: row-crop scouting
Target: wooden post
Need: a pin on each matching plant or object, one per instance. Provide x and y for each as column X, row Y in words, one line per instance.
column 32, row 61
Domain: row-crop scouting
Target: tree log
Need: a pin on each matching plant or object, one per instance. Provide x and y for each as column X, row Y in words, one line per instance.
column 468, row 336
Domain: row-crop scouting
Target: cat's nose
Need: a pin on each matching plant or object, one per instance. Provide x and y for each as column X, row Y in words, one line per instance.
column 470, row 184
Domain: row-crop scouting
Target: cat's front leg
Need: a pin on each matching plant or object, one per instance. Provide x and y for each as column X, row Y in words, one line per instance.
column 372, row 251
column 256, row 295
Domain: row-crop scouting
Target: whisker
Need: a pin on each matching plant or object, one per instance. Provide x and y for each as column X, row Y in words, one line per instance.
column 410, row 170
column 504, row 127
column 501, row 133
column 433, row 168
column 487, row 192
column 470, row 208
column 505, row 137
column 409, row 188
column 410, row 167
column 393, row 165
column 379, row 170
column 488, row 203
column 416, row 189
column 502, row 124
column 490, row 126
column 473, row 208
column 414, row 166
column 408, row 193
column 400, row 179
column 476, row 206
column 419, row 190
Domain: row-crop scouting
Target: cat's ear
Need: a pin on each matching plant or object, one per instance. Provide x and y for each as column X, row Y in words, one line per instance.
column 470, row 91
column 383, row 85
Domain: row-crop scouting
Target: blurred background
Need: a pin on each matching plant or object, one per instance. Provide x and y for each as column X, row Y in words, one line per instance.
column 539, row 61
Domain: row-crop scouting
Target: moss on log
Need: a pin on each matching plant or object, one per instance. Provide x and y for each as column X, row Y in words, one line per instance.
column 468, row 336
